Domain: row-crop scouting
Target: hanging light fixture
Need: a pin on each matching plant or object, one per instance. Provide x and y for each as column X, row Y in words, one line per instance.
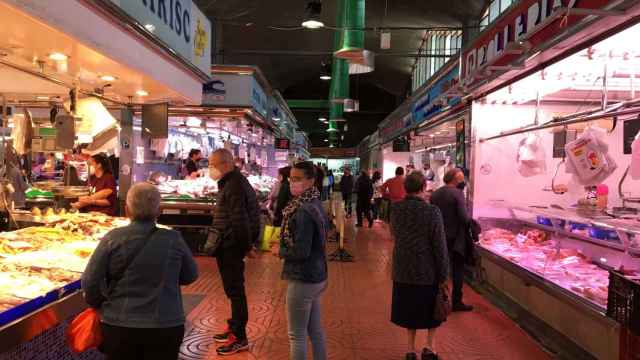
column 325, row 71
column 312, row 15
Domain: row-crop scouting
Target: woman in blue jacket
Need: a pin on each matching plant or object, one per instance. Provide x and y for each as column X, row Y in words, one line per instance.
column 302, row 246
column 134, row 279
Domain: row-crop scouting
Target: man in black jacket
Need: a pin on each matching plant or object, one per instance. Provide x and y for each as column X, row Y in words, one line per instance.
column 346, row 188
column 236, row 217
column 450, row 200
column 364, row 189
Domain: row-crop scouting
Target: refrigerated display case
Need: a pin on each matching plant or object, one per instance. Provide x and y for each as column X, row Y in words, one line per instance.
column 552, row 234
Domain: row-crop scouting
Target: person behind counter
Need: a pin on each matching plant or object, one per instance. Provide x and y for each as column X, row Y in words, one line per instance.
column 102, row 185
column 134, row 278
column 195, row 155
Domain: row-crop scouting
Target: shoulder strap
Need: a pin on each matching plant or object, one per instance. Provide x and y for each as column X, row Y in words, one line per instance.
column 134, row 256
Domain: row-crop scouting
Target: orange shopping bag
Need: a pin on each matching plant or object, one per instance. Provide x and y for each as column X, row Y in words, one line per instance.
column 84, row 332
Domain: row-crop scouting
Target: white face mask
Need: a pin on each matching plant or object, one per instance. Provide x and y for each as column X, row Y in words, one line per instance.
column 92, row 170
column 214, row 173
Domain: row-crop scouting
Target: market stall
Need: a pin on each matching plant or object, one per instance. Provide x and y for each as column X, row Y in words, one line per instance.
column 442, row 136
column 68, row 91
column 553, row 122
column 394, row 142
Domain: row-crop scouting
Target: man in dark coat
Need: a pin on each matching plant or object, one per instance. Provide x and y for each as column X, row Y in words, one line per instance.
column 346, row 188
column 364, row 189
column 236, row 218
column 450, row 200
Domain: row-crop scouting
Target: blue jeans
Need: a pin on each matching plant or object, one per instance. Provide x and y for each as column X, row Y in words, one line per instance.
column 303, row 315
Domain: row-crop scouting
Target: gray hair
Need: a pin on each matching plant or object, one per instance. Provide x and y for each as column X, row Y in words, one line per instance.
column 224, row 155
column 143, row 202
column 414, row 182
column 450, row 175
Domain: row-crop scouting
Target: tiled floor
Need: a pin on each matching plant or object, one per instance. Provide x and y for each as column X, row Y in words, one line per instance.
column 356, row 313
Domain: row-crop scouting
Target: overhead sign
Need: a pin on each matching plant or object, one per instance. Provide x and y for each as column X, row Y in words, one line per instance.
column 436, row 98
column 396, row 127
column 330, row 152
column 259, row 99
column 282, row 144
column 533, row 21
column 178, row 23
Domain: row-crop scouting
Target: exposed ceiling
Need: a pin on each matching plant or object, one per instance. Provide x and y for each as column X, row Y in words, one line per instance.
column 252, row 32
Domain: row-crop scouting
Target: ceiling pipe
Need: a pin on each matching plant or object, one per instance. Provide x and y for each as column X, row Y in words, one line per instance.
column 352, row 47
column 339, row 89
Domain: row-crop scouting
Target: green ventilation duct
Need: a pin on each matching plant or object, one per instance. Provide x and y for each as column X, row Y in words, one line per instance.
column 352, row 47
column 339, row 78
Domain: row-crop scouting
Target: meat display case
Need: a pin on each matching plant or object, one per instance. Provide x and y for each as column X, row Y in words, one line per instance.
column 552, row 265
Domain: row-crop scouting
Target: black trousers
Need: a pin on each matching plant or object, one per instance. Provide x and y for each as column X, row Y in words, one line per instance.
column 363, row 208
column 346, row 197
column 375, row 208
column 457, row 276
column 231, row 268
column 123, row 343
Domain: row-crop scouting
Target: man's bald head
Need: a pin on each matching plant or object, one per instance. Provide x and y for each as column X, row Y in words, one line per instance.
column 222, row 156
column 222, row 159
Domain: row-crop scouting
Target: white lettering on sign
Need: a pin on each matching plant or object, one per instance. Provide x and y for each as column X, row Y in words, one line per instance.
column 523, row 24
column 176, row 17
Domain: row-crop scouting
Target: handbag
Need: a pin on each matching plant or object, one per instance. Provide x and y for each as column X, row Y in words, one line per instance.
column 85, row 332
column 442, row 307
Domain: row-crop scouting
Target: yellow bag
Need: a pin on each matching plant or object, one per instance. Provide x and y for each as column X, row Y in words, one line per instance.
column 265, row 243
column 275, row 237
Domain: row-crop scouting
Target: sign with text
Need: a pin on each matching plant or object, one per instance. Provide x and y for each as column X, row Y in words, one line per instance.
column 178, row 23
column 436, row 98
column 330, row 152
column 282, row 144
column 532, row 21
column 396, row 126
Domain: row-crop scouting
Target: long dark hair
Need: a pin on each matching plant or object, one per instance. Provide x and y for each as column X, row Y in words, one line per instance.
column 104, row 162
column 376, row 176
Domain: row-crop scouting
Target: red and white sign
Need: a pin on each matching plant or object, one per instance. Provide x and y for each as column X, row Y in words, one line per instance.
column 529, row 23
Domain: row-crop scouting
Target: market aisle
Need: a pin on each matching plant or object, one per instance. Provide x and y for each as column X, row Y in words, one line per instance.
column 356, row 313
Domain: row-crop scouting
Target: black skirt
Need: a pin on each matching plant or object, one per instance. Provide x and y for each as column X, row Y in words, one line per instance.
column 412, row 306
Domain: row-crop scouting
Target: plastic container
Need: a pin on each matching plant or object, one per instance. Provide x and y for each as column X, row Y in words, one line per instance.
column 623, row 303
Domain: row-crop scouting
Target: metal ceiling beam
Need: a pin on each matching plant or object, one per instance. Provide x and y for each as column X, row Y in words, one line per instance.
column 324, row 53
column 308, row 104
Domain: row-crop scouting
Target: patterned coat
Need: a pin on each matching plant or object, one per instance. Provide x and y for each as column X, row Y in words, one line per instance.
column 420, row 254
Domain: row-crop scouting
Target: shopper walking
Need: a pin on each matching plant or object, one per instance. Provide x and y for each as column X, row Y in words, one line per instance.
column 332, row 181
column 450, row 199
column 346, row 188
column 319, row 177
column 376, row 179
column 302, row 246
column 134, row 278
column 236, row 219
column 420, row 265
column 364, row 189
column 393, row 189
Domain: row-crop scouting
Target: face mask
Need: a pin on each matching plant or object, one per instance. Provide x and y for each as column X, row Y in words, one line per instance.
column 297, row 188
column 462, row 185
column 92, row 170
column 214, row 173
